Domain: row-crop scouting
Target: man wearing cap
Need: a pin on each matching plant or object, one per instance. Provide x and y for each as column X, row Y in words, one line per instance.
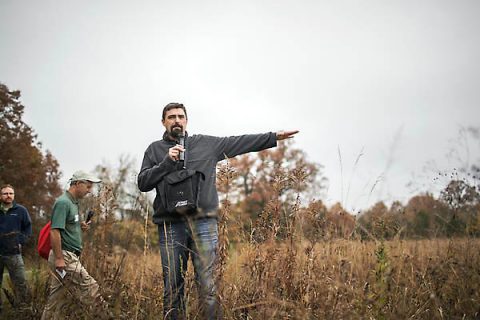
column 70, row 279
column 15, row 228
column 194, row 235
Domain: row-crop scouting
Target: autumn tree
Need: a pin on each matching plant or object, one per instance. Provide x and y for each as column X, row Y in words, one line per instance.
column 377, row 222
column 462, row 190
column 264, row 188
column 463, row 200
column 341, row 222
column 314, row 221
column 33, row 172
column 126, row 199
column 284, row 166
column 424, row 216
column 322, row 223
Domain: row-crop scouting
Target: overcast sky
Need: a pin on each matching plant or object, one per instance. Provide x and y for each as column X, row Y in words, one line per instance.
column 389, row 83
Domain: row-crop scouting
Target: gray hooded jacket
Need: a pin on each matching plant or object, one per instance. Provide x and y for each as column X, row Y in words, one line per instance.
column 202, row 154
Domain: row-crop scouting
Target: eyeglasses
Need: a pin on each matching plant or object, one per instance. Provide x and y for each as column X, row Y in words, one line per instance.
column 8, row 193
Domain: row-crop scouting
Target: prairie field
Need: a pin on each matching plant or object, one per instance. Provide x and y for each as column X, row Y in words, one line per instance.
column 279, row 258
column 340, row 279
column 294, row 279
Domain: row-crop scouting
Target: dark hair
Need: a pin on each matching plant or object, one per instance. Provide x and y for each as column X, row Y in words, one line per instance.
column 173, row 105
column 7, row 186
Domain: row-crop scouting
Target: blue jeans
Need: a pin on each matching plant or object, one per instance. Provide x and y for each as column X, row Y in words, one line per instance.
column 16, row 269
column 179, row 240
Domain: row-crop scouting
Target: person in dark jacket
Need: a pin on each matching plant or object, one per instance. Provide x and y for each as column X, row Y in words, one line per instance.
column 15, row 228
column 195, row 234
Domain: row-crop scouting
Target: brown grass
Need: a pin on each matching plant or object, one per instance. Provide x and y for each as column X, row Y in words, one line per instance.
column 273, row 272
column 337, row 279
column 341, row 279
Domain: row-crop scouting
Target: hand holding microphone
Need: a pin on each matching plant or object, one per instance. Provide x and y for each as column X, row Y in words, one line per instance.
column 90, row 214
column 175, row 152
column 85, row 225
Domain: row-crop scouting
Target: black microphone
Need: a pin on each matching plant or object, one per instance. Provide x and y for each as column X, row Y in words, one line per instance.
column 181, row 141
column 89, row 216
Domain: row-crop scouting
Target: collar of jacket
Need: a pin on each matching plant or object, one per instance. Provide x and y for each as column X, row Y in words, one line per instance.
column 5, row 210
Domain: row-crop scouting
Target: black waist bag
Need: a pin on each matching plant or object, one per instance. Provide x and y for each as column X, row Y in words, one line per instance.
column 182, row 189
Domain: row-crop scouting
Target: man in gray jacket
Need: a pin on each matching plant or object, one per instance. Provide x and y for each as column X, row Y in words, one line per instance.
column 195, row 234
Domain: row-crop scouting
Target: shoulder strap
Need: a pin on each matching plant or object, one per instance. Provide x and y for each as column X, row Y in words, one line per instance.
column 186, row 153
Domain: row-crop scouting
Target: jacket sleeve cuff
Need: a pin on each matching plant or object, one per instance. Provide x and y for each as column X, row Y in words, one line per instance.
column 169, row 163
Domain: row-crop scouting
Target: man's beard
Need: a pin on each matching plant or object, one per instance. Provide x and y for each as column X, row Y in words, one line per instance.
column 7, row 202
column 176, row 131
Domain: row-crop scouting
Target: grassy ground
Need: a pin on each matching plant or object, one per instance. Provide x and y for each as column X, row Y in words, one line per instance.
column 338, row 279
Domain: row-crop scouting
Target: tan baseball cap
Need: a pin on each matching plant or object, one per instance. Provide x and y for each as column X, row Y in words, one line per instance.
column 83, row 176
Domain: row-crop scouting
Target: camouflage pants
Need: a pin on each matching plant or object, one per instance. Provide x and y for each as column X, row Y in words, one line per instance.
column 75, row 293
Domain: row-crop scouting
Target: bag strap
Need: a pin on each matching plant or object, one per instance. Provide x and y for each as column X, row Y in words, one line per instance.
column 185, row 153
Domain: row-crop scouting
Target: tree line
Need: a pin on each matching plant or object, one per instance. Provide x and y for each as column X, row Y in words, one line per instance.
column 267, row 186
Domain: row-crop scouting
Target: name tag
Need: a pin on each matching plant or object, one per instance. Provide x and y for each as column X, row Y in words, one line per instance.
column 76, row 218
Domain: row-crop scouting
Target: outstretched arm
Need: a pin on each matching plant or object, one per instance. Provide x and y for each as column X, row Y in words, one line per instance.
column 236, row 145
column 281, row 135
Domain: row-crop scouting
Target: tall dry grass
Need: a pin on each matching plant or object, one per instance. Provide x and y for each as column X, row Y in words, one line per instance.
column 271, row 270
column 336, row 279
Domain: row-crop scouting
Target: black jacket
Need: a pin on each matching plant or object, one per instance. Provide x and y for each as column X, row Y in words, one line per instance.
column 15, row 228
column 202, row 154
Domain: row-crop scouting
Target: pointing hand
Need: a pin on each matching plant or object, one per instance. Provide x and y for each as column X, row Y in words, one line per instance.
column 281, row 135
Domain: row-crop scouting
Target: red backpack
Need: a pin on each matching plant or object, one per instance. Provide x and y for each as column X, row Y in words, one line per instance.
column 44, row 245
